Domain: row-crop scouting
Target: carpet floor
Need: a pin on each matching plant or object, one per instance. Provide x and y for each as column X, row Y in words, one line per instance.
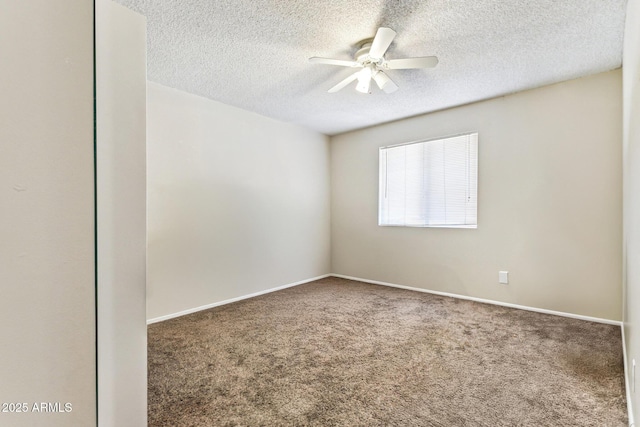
column 342, row 353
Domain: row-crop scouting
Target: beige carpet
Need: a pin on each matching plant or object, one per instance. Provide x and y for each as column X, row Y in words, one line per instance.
column 341, row 353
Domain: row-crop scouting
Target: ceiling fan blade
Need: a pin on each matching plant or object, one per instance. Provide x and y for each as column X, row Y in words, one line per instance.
column 329, row 61
column 381, row 42
column 406, row 63
column 343, row 83
column 385, row 83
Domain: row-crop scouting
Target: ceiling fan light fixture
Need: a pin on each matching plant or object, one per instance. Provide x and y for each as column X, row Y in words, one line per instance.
column 364, row 80
column 384, row 82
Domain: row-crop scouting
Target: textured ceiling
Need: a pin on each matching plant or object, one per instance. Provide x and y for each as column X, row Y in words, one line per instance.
column 253, row 54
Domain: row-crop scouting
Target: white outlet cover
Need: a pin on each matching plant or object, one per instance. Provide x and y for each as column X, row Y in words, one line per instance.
column 503, row 277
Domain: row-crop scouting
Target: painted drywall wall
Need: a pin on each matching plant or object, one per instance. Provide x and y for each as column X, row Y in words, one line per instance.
column 631, row 152
column 549, row 202
column 121, row 79
column 237, row 203
column 47, row 285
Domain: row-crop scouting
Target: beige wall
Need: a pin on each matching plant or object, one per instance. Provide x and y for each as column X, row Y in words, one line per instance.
column 549, row 202
column 631, row 149
column 47, row 285
column 121, row 78
column 237, row 203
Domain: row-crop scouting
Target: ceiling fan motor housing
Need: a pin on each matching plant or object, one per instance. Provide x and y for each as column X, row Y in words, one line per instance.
column 362, row 54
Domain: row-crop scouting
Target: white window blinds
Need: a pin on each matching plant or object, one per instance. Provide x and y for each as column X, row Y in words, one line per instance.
column 430, row 183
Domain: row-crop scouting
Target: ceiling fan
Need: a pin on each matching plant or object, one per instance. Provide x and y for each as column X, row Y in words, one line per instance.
column 370, row 57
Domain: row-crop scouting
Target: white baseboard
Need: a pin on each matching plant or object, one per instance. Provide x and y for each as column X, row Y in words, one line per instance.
column 627, row 386
column 229, row 301
column 393, row 285
column 485, row 301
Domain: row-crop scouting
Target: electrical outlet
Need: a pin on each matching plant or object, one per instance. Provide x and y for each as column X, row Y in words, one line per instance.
column 503, row 277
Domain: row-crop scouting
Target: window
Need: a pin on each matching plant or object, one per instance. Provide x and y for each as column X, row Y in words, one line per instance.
column 430, row 183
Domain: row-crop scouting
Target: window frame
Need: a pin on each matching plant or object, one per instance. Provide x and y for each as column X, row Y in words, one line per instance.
column 425, row 141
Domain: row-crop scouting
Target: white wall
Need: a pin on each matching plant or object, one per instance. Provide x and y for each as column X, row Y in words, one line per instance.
column 121, row 78
column 549, row 202
column 631, row 150
column 47, row 286
column 237, row 203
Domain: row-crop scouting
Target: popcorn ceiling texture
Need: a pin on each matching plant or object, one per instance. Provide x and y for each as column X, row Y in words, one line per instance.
column 253, row 54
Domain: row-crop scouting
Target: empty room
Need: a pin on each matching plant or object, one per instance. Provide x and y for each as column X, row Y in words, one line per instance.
column 364, row 213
